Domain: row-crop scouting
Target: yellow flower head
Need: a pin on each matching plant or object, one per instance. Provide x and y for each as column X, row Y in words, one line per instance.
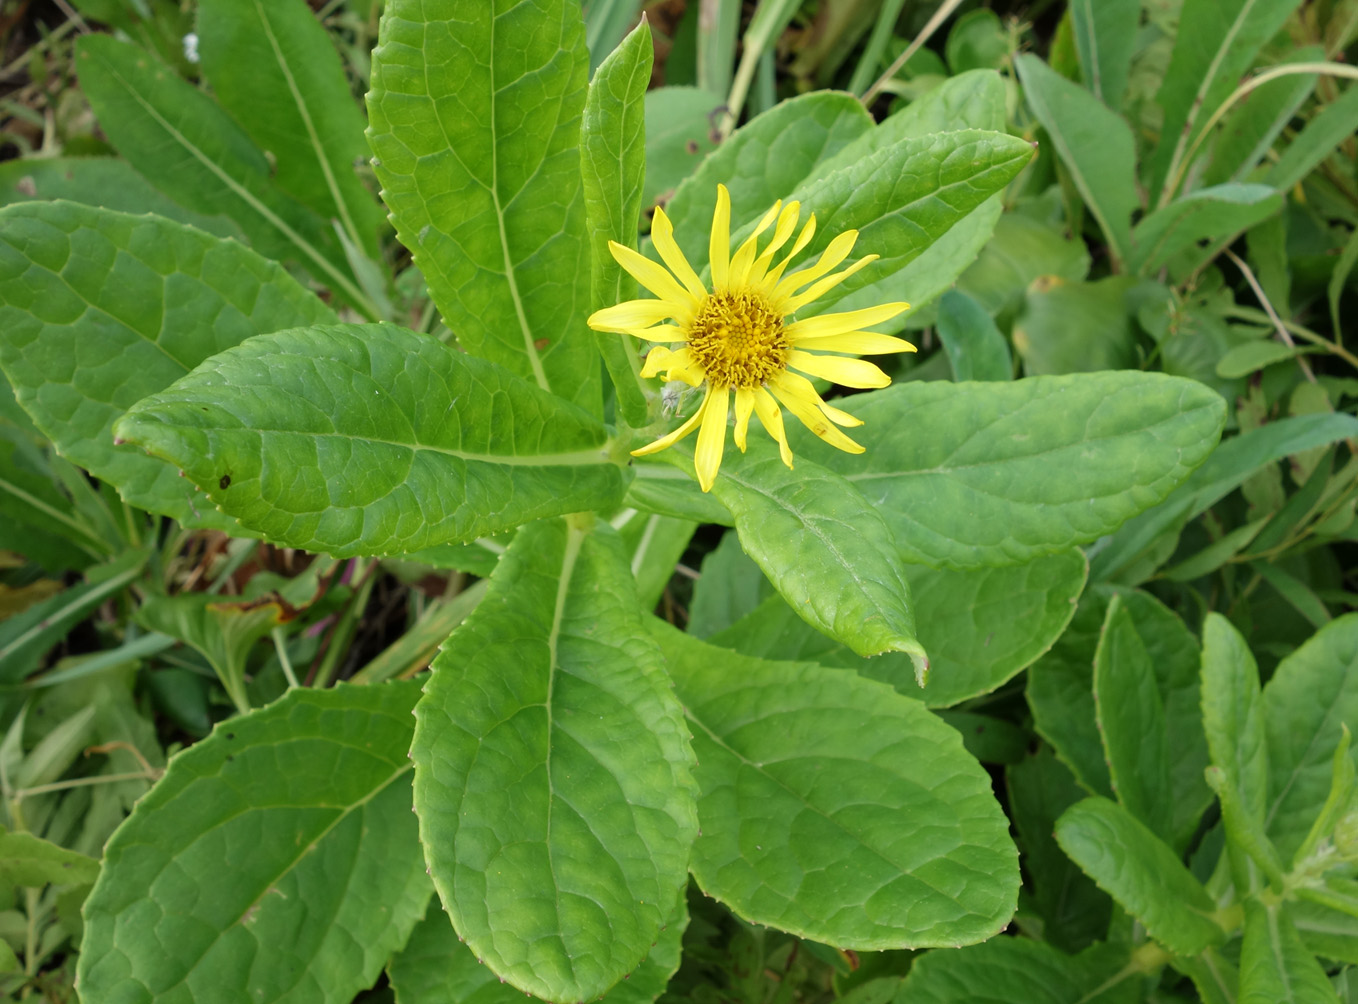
column 740, row 338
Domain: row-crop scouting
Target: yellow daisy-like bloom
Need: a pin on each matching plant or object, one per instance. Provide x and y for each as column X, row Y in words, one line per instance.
column 740, row 338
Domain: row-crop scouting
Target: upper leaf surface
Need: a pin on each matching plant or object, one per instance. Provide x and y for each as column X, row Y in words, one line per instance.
column 475, row 122
column 100, row 309
column 1313, row 692
column 836, row 809
column 552, row 764
column 1141, row 872
column 370, row 439
column 1009, row 970
column 992, row 474
column 1233, row 713
column 272, row 65
column 275, row 860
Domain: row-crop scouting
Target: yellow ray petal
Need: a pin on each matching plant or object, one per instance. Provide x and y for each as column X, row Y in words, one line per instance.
column 745, row 254
column 839, row 417
column 835, row 252
column 662, row 236
column 839, row 369
column 787, row 222
column 772, row 420
column 719, row 243
column 744, row 405
column 626, row 317
column 658, row 333
column 656, row 360
column 818, row 289
column 669, row 440
column 849, row 320
column 711, row 437
column 860, row 343
column 770, row 281
column 655, row 278
column 800, row 398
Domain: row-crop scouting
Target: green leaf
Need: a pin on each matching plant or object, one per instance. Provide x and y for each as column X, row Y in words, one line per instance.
column 606, row 22
column 1074, row 911
column 289, row 827
column 1233, row 714
column 969, row 475
column 1207, row 214
column 1105, row 38
column 1132, row 722
column 1142, row 873
column 435, row 968
column 730, row 586
column 656, row 544
column 1009, row 970
column 662, row 488
column 1335, row 123
column 139, row 301
column 978, row 40
column 1275, row 966
column 31, row 861
column 903, row 198
column 980, row 628
column 613, row 165
column 1076, row 327
column 825, row 548
column 272, row 66
column 1249, row 131
column 765, row 160
column 1021, row 251
column 1094, row 143
column 1216, row 43
column 183, row 141
column 107, row 182
column 1147, row 704
column 370, row 439
column 682, row 130
column 874, row 829
column 27, row 637
column 552, row 770
column 976, row 349
column 1251, row 357
column 1312, row 694
column 475, row 127
column 1060, row 693
column 1225, row 470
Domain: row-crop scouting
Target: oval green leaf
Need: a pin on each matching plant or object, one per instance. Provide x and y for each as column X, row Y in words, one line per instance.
column 370, row 439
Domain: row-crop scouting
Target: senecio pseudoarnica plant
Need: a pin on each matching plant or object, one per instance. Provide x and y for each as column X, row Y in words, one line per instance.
column 572, row 759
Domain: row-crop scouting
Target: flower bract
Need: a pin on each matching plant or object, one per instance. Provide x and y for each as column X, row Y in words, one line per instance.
column 740, row 340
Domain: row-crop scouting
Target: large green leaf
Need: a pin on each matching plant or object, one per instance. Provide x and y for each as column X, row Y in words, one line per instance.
column 1233, row 714
column 979, row 474
column 99, row 309
column 1076, row 327
column 275, row 860
column 836, row 809
column 1020, row 971
column 475, row 123
column 1094, row 143
column 764, row 160
column 188, row 147
column 980, row 627
column 1313, row 693
column 370, row 439
column 1216, row 43
column 552, row 769
column 272, row 66
column 825, row 548
column 613, row 165
column 1142, row 873
column 435, row 967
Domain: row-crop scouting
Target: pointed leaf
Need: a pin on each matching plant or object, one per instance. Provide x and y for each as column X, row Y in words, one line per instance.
column 370, row 439
column 1205, row 215
column 1010, row 970
column 1233, row 714
column 552, row 770
column 976, row 349
column 192, row 150
column 613, row 165
column 276, row 859
column 836, row 809
column 138, row 301
column 1105, row 38
column 1275, row 966
column 979, row 474
column 1141, row 872
column 273, row 67
column 475, row 125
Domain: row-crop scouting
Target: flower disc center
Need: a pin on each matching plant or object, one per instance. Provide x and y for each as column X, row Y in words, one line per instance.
column 738, row 339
